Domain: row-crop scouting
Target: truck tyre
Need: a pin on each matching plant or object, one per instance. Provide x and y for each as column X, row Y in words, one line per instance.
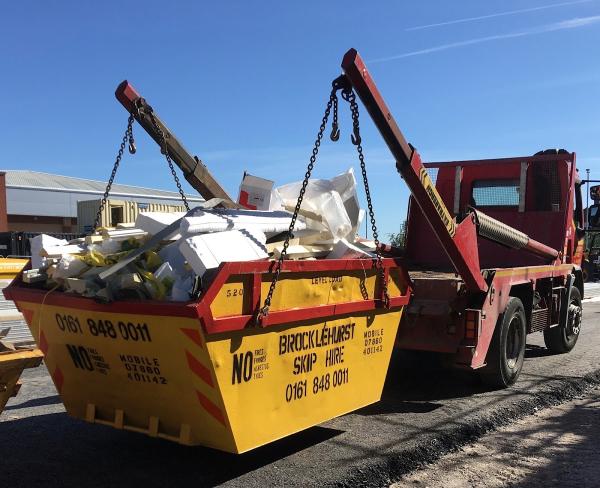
column 561, row 339
column 507, row 349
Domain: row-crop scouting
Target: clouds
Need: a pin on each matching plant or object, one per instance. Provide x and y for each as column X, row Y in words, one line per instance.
column 574, row 23
column 499, row 14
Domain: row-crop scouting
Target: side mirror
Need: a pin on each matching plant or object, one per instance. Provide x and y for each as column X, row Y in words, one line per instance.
column 593, row 215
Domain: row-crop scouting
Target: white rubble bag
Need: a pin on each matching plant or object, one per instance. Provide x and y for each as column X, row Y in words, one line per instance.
column 335, row 201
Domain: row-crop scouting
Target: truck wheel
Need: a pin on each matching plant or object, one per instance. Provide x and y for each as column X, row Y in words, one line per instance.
column 507, row 349
column 562, row 339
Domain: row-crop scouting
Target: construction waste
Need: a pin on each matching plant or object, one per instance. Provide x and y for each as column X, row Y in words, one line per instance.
column 168, row 256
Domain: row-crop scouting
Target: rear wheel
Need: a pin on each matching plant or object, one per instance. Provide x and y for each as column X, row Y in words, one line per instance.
column 562, row 338
column 507, row 349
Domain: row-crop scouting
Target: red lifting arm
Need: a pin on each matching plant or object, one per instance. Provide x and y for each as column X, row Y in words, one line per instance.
column 195, row 172
column 459, row 241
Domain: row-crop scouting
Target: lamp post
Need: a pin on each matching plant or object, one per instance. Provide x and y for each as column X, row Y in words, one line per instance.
column 587, row 200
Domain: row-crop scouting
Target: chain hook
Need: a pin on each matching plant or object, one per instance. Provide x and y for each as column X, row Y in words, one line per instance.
column 335, row 133
column 165, row 150
column 349, row 95
column 335, row 130
column 133, row 115
column 264, row 310
column 128, row 136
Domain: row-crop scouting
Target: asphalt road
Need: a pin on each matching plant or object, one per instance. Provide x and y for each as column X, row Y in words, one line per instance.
column 425, row 412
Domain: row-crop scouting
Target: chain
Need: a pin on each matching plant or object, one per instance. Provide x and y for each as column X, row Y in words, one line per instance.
column 264, row 311
column 335, row 130
column 350, row 97
column 128, row 136
column 164, row 150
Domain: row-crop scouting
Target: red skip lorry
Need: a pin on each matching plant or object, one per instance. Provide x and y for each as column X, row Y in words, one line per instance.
column 493, row 249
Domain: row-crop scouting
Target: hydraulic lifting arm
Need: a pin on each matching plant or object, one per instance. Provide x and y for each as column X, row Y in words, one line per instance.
column 459, row 241
column 195, row 172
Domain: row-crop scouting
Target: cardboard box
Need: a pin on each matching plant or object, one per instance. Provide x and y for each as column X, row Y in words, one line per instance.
column 255, row 192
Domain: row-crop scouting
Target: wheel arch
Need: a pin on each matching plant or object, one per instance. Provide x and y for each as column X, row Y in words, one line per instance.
column 578, row 273
column 524, row 292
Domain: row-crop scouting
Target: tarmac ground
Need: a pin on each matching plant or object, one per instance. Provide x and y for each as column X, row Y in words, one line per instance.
column 426, row 412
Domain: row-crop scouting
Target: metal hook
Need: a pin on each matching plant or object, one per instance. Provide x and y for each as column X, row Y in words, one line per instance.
column 132, row 148
column 355, row 138
column 335, row 133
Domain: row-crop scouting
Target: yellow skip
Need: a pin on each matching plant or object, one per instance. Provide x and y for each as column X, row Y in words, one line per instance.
column 203, row 373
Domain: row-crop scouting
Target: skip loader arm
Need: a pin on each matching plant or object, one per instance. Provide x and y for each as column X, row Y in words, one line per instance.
column 459, row 240
column 195, row 172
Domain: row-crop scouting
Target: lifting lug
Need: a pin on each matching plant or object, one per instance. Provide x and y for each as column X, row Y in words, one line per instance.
column 341, row 83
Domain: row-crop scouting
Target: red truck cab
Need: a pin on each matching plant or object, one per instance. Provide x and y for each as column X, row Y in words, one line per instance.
column 537, row 195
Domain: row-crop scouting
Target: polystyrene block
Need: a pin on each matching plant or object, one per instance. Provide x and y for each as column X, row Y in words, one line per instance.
column 208, row 251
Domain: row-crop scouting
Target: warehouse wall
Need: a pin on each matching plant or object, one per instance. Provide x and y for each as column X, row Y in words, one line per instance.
column 32, row 223
column 49, row 202
column 3, row 213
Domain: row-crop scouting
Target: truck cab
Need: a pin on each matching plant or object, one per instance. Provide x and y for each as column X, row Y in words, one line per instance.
column 536, row 195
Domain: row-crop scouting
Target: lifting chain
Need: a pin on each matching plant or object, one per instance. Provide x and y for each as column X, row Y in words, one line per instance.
column 128, row 136
column 339, row 83
column 165, row 151
column 350, row 97
column 264, row 311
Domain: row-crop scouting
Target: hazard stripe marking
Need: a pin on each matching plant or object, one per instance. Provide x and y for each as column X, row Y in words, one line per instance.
column 194, row 335
column 211, row 408
column 58, row 378
column 28, row 314
column 43, row 343
column 199, row 369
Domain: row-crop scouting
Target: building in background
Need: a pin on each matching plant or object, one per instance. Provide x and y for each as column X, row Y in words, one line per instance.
column 31, row 201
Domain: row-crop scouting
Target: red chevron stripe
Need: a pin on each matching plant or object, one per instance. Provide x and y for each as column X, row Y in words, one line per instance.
column 194, row 335
column 201, row 371
column 211, row 408
column 43, row 343
column 28, row 314
column 58, row 378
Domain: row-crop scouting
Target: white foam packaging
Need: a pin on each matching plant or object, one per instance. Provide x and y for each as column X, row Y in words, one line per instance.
column 172, row 254
column 69, row 267
column 208, row 251
column 59, row 251
column 182, row 288
column 39, row 242
column 124, row 234
column 154, row 222
column 343, row 249
column 77, row 285
column 219, row 220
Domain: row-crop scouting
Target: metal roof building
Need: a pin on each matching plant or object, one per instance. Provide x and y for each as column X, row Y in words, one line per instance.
column 36, row 201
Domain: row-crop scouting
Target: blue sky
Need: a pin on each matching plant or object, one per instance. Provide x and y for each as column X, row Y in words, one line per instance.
column 243, row 84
